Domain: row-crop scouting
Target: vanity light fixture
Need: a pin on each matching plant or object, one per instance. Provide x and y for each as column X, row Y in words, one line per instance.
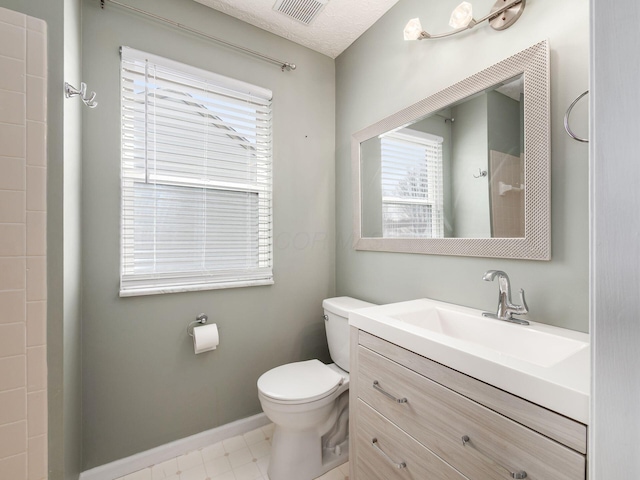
column 503, row 14
column 462, row 16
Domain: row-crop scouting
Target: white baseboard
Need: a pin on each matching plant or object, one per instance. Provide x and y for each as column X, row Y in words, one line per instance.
column 165, row 452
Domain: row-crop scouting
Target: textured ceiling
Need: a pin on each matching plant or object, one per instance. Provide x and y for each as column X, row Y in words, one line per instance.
column 331, row 32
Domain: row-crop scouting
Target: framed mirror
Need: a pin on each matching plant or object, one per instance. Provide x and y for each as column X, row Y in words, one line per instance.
column 465, row 171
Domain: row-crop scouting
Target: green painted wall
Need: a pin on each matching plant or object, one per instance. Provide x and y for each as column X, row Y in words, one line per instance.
column 380, row 74
column 504, row 128
column 142, row 384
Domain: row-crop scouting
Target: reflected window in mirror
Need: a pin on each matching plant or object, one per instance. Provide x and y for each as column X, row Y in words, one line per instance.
column 422, row 181
column 411, row 180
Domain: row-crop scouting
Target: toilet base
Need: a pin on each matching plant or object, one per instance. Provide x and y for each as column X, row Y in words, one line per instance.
column 332, row 458
column 300, row 456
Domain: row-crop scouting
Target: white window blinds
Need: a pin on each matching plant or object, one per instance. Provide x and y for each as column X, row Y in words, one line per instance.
column 412, row 190
column 196, row 179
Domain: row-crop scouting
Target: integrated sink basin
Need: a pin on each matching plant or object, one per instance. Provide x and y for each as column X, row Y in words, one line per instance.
column 541, row 363
column 531, row 345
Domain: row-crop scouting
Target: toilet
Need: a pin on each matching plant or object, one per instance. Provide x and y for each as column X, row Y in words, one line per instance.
column 308, row 402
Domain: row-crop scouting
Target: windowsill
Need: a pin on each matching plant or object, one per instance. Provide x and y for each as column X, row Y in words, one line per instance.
column 139, row 291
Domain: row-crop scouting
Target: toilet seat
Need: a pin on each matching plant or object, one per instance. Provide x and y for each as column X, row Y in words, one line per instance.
column 299, row 382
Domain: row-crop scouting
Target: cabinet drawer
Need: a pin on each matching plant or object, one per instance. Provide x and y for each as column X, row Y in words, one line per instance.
column 439, row 418
column 380, row 460
column 550, row 424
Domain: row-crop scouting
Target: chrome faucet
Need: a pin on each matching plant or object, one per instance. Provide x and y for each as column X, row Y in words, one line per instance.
column 506, row 309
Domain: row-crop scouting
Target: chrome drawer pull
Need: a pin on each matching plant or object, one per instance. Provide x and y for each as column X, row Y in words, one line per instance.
column 377, row 386
column 520, row 474
column 374, row 443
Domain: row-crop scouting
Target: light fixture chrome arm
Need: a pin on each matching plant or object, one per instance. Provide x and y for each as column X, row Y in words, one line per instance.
column 498, row 10
column 425, row 35
column 503, row 14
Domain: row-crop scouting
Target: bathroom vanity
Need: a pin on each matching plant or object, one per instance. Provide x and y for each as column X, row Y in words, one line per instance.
column 428, row 403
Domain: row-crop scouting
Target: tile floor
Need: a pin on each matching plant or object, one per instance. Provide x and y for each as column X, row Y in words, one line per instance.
column 244, row 457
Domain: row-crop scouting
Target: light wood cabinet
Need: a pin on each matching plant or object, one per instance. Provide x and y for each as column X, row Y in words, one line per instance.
column 414, row 418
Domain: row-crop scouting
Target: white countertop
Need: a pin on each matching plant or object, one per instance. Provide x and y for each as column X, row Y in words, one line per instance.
column 541, row 363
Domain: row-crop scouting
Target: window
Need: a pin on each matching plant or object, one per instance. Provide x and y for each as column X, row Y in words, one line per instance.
column 196, row 179
column 412, row 185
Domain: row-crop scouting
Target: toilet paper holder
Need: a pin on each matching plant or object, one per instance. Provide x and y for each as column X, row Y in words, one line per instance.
column 201, row 319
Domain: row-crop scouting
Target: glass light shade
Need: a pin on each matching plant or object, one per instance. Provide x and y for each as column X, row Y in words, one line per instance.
column 462, row 15
column 413, row 29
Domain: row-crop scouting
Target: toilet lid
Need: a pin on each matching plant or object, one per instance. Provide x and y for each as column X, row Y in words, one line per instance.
column 299, row 381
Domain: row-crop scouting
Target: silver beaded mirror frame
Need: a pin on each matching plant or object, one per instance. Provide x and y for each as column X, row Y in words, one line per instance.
column 533, row 64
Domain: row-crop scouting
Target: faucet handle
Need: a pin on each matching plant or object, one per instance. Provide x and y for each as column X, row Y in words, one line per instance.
column 524, row 308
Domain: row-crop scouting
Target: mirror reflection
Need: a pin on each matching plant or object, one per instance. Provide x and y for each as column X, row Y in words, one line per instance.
column 457, row 173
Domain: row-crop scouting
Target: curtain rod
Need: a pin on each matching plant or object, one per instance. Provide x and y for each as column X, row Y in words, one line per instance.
column 283, row 65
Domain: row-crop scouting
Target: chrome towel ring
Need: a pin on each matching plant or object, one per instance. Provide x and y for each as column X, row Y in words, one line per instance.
column 566, row 120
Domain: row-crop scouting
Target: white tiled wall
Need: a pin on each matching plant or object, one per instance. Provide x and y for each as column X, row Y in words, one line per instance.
column 507, row 210
column 23, row 290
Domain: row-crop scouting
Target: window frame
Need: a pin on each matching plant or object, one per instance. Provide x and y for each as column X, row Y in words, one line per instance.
column 435, row 180
column 133, row 283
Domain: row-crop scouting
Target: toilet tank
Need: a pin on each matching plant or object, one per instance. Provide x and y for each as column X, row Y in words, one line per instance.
column 336, row 324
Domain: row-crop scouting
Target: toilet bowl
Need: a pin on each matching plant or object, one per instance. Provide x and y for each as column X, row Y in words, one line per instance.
column 308, row 403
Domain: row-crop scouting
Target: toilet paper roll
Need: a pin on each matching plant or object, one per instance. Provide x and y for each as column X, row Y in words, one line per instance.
column 205, row 338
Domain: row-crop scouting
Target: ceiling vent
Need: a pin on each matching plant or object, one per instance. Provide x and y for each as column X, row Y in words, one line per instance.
column 303, row 11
